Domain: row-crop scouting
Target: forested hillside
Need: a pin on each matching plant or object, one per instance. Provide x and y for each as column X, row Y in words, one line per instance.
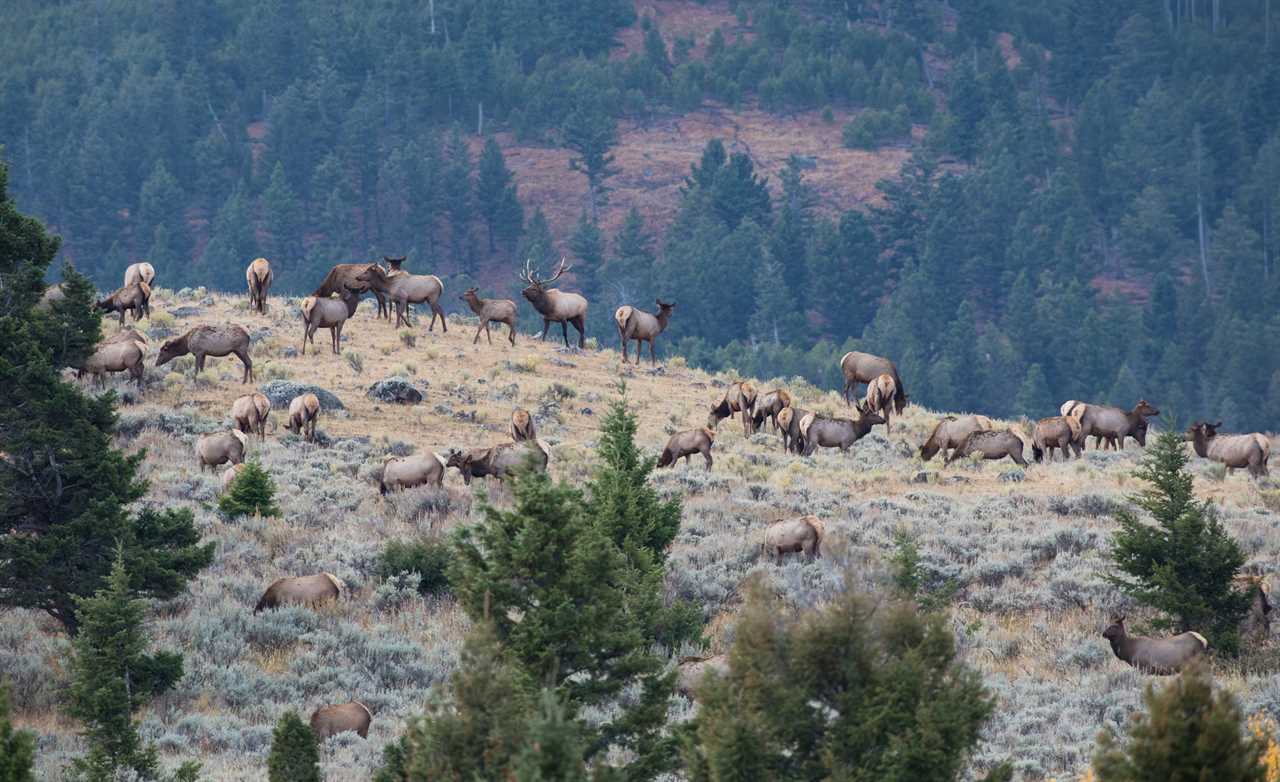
column 1088, row 209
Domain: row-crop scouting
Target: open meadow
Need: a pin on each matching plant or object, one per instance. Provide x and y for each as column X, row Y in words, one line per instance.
column 1019, row 554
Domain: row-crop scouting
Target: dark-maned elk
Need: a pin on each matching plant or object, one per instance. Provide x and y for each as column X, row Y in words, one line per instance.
column 404, row 289
column 768, row 406
column 880, row 395
column 990, row 444
column 251, row 413
column 301, row 591
column 121, row 356
column 554, row 305
column 739, row 397
column 218, row 448
column 522, row 427
column 491, row 311
column 258, row 276
column 1256, row 625
column 1250, row 451
column 1113, row 424
column 203, row 341
column 634, row 323
column 341, row 280
column 135, row 297
column 821, row 432
column 793, row 536
column 353, row 717
column 139, row 272
column 1159, row 656
column 789, row 419
column 304, row 411
column 1060, row 432
column 865, row 367
column 327, row 313
column 950, row 433
column 406, row 472
column 686, row 444
column 501, row 460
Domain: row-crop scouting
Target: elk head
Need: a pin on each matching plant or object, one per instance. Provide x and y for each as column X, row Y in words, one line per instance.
column 536, row 289
column 1145, row 408
column 470, row 295
column 394, row 263
column 1115, row 630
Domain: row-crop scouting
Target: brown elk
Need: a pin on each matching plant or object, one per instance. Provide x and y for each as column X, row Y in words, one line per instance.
column 768, row 406
column 739, row 397
column 331, row 314
column 341, row 280
column 690, row 671
column 119, row 356
column 880, row 395
column 259, row 278
column 135, row 297
column 554, row 305
column 818, row 431
column 522, row 427
column 991, row 444
column 950, row 433
column 491, row 311
column 500, row 461
column 229, row 475
column 864, row 368
column 1114, row 424
column 353, row 717
column 1060, row 432
column 793, row 536
column 216, row 341
column 251, row 413
column 686, row 444
column 1159, row 656
column 641, row 326
column 301, row 590
column 139, row 272
column 406, row 472
column 304, row 411
column 218, row 448
column 1250, row 451
column 404, row 289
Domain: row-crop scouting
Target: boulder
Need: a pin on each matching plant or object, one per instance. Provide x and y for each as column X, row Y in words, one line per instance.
column 282, row 392
column 395, row 389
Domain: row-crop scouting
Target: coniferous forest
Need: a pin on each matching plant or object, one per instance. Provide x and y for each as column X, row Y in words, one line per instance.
column 1089, row 209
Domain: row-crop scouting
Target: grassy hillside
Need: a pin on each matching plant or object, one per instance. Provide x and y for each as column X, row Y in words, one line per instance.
column 1023, row 551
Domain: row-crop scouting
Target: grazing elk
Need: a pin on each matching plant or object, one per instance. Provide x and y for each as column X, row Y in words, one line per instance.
column 554, row 305
column 259, row 277
column 864, row 368
column 1159, row 656
column 686, row 444
column 1250, row 451
column 739, row 397
column 501, row 460
column 216, row 341
column 341, row 280
column 880, row 395
column 301, row 591
column 950, row 433
column 407, row 472
column 404, row 289
column 639, row 325
column 250, row 413
column 790, row 536
column 820, row 432
column 522, row 427
column 491, row 311
column 139, row 272
column 135, row 297
column 353, row 717
column 327, row 313
column 1113, row 424
column 768, row 406
column 229, row 475
column 991, row 444
column 691, row 670
column 1060, row 432
column 218, row 448
column 304, row 411
column 125, row 355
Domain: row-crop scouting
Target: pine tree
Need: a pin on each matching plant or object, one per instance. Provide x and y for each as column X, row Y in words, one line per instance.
column 282, row 217
column 1033, row 398
column 1184, row 563
column 161, row 222
column 17, row 748
column 251, row 493
column 591, row 131
column 633, row 257
column 738, row 194
column 777, row 318
column 295, row 756
column 587, row 246
column 553, row 747
column 537, row 244
column 1188, row 733
column 496, row 196
column 231, row 244
column 455, row 190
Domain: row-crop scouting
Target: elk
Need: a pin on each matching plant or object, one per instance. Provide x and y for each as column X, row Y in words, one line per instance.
column 500, row 461
column 768, row 406
column 1251, row 451
column 341, row 280
column 880, row 395
column 135, row 296
column 331, row 314
column 739, row 397
column 491, row 311
column 642, row 327
column 789, row 419
column 406, row 472
column 353, row 717
column 817, row 431
column 950, row 433
column 1256, row 624
column 788, row 536
column 259, row 277
column 1114, row 424
column 404, row 289
column 864, row 368
column 139, row 272
column 301, row 590
column 991, row 444
column 203, row 341
column 229, row 475
column 218, row 448
column 120, row 356
column 522, row 427
column 1060, row 432
column 250, row 413
column 304, row 411
column 691, row 670
column 686, row 444
column 554, row 305
column 1159, row 656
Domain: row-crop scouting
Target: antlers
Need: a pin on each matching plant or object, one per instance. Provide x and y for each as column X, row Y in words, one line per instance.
column 529, row 277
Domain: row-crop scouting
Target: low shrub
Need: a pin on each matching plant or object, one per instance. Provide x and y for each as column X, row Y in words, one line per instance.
column 426, row 557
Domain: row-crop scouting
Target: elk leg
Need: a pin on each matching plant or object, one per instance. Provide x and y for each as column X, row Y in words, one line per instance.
column 564, row 328
column 706, row 454
column 336, row 333
column 438, row 310
column 243, row 355
column 580, row 324
column 653, row 357
column 512, row 326
column 479, row 329
column 624, row 339
column 546, row 326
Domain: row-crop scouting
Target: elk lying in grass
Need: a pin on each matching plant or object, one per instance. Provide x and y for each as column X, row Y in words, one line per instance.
column 522, row 427
column 404, row 289
column 328, row 313
column 1113, row 424
column 768, row 406
column 353, row 717
column 259, row 278
column 1159, row 656
column 686, row 444
column 126, row 355
column 641, row 326
column 864, row 368
column 500, row 461
column 880, row 395
column 407, row 472
column 341, row 280
column 1060, row 432
column 491, row 311
column 792, row 536
column 135, row 297
column 738, row 398
column 203, row 341
column 1249, row 451
column 990, row 444
column 139, row 272
column 820, row 432
column 250, row 413
column 301, row 591
column 554, row 305
column 950, row 433
column 304, row 411
column 218, row 448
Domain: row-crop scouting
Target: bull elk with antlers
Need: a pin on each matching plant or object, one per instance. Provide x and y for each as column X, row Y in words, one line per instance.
column 555, row 306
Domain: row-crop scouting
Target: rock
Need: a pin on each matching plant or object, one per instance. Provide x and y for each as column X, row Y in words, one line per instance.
column 587, row 411
column 258, row 334
column 1013, row 476
column 290, row 352
column 395, row 389
column 207, row 301
column 958, row 479
column 505, row 393
column 186, row 312
column 282, row 392
column 556, row 361
column 920, row 477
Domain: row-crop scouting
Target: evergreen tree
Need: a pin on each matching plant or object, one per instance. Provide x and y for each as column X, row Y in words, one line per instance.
column 1184, row 563
column 630, row 270
column 456, row 192
column 1188, row 733
column 161, row 221
column 738, row 194
column 1033, row 399
column 231, row 245
column 776, row 318
column 295, row 756
column 496, row 196
column 587, row 246
column 553, row 746
column 537, row 244
column 282, row 218
column 251, row 493
column 17, row 748
column 591, row 131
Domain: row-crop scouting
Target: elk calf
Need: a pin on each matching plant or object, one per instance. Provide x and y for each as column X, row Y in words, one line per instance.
column 491, row 311
column 686, row 444
column 864, row 368
column 768, row 406
column 642, row 327
column 880, row 395
column 817, row 431
column 404, row 289
column 555, row 306
column 1061, row 432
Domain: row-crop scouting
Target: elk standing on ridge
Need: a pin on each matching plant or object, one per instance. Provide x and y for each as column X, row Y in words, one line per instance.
column 491, row 311
column 1159, row 656
column 641, row 326
column 880, row 395
column 1251, row 451
column 203, row 341
column 329, row 314
column 258, row 275
column 404, row 289
column 554, row 305
column 864, row 368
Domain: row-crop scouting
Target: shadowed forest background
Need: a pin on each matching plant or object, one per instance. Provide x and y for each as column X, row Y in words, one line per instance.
column 1087, row 206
